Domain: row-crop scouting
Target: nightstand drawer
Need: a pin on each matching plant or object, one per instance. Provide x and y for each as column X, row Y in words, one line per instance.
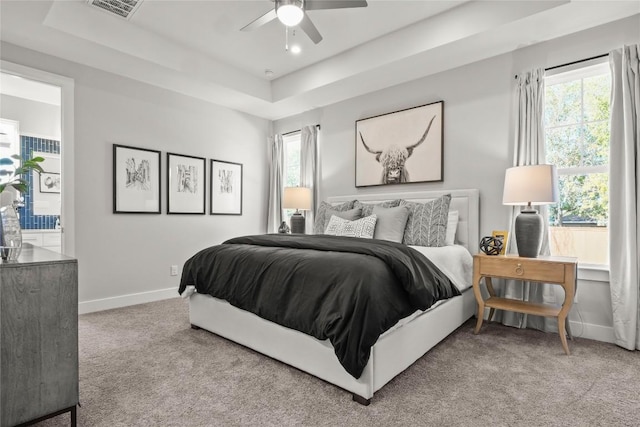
column 522, row 269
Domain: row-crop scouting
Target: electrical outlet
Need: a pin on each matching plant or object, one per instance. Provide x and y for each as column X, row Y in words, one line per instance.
column 174, row 270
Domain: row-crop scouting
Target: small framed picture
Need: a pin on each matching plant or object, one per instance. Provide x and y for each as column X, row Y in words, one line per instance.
column 186, row 184
column 504, row 236
column 136, row 180
column 49, row 182
column 226, row 188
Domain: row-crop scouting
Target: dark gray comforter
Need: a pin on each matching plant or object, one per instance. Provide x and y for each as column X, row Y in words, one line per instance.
column 344, row 289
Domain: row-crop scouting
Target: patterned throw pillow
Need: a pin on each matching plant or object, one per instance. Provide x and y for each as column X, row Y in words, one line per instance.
column 350, row 215
column 320, row 224
column 367, row 208
column 363, row 227
column 427, row 224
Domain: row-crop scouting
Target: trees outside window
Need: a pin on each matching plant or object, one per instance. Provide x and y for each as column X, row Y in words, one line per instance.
column 292, row 144
column 577, row 110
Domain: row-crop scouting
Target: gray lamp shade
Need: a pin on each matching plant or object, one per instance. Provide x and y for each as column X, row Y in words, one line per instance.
column 530, row 185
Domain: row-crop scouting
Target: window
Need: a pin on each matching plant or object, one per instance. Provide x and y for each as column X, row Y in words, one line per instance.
column 9, row 143
column 292, row 143
column 577, row 114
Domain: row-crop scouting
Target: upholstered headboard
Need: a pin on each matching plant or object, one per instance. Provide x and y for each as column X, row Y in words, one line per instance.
column 466, row 202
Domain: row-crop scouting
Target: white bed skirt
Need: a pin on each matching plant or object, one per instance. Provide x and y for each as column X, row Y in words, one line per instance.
column 392, row 353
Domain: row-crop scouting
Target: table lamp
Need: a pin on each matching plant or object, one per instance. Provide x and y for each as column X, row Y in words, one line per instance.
column 530, row 185
column 298, row 198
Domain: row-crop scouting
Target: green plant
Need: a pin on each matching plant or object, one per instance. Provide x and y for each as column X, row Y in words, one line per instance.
column 16, row 179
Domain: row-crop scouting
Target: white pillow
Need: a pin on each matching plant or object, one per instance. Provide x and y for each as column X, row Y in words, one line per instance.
column 452, row 226
column 363, row 227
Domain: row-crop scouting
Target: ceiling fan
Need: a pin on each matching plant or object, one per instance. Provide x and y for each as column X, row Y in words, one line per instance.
column 294, row 12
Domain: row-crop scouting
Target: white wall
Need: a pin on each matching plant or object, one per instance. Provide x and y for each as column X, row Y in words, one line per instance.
column 125, row 258
column 37, row 119
column 478, row 129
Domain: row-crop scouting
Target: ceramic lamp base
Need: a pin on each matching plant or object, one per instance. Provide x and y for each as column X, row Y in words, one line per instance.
column 297, row 223
column 528, row 230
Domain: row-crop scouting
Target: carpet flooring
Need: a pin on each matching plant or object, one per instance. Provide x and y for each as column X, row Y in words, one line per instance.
column 144, row 366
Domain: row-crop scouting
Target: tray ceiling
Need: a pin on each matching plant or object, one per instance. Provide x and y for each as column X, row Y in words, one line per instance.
column 196, row 48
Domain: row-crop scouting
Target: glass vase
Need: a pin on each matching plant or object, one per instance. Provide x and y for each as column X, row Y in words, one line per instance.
column 10, row 234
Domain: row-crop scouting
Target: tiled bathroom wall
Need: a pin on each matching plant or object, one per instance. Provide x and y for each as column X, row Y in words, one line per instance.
column 28, row 220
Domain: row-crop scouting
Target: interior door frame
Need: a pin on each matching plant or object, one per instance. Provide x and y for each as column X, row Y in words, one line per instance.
column 67, row 151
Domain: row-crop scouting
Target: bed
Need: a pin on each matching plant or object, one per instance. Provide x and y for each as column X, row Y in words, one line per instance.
column 394, row 350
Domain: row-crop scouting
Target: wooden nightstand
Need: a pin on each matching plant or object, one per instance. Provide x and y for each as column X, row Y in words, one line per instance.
column 557, row 270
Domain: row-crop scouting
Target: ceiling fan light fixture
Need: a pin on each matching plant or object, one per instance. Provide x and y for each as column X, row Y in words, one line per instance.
column 289, row 12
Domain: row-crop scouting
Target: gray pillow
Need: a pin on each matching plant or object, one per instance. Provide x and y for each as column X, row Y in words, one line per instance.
column 391, row 222
column 367, row 208
column 319, row 224
column 427, row 224
column 350, row 215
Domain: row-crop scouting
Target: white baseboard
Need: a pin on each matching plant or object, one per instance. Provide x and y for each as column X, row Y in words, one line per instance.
column 126, row 300
column 592, row 332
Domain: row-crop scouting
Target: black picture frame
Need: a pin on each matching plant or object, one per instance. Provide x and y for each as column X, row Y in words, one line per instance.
column 49, row 182
column 402, row 147
column 186, row 184
column 136, row 180
column 226, row 182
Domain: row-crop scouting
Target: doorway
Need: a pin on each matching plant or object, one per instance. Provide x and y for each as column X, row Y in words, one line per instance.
column 36, row 112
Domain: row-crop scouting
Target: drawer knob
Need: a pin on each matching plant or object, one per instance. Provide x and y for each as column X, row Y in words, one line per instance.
column 519, row 270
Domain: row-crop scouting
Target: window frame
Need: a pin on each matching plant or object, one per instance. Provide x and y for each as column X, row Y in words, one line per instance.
column 580, row 70
column 292, row 137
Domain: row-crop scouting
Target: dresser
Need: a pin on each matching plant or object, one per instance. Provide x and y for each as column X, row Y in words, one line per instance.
column 39, row 337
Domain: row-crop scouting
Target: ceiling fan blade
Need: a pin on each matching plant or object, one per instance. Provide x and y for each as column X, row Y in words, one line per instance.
column 307, row 26
column 337, row 4
column 267, row 17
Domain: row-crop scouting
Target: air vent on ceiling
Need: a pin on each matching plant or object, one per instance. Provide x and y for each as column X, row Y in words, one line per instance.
column 123, row 8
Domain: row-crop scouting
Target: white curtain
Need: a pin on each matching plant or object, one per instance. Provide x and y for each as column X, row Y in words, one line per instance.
column 624, row 182
column 529, row 150
column 276, row 185
column 309, row 170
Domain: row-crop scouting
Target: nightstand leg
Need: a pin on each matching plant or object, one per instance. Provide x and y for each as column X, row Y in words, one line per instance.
column 480, row 318
column 478, row 294
column 563, row 335
column 492, row 293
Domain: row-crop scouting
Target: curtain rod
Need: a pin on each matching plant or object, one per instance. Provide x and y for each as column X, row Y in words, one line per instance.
column 574, row 62
column 299, row 130
column 577, row 62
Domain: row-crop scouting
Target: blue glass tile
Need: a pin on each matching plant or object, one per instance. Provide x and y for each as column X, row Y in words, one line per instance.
column 27, row 219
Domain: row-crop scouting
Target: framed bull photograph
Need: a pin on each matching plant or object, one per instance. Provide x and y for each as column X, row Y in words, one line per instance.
column 401, row 147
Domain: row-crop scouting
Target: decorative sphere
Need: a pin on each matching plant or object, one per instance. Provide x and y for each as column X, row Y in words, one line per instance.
column 490, row 245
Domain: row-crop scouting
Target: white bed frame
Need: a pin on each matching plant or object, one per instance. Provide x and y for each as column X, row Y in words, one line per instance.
column 393, row 352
